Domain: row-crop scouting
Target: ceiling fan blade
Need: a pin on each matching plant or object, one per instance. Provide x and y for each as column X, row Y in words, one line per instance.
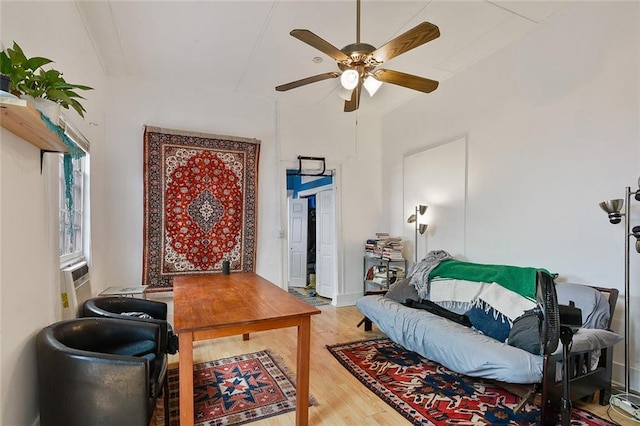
column 354, row 103
column 308, row 80
column 417, row 36
column 406, row 80
column 319, row 43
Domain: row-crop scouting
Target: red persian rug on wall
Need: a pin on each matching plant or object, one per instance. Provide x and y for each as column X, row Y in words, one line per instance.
column 200, row 204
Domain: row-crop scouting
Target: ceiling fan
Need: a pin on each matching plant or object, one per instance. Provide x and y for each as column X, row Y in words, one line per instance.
column 358, row 62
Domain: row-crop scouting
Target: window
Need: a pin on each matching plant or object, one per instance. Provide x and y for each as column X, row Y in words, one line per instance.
column 71, row 220
column 73, row 201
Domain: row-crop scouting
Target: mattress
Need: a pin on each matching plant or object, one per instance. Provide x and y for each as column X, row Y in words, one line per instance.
column 455, row 346
column 467, row 351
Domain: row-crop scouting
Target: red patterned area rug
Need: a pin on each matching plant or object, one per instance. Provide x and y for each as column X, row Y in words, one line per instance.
column 200, row 204
column 426, row 393
column 233, row 391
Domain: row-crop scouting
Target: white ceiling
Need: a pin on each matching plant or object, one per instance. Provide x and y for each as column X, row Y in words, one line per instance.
column 244, row 46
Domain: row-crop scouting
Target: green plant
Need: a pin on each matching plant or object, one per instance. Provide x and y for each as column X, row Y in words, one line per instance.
column 15, row 65
column 28, row 77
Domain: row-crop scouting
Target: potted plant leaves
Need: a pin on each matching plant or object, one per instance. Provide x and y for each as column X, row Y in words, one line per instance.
column 41, row 86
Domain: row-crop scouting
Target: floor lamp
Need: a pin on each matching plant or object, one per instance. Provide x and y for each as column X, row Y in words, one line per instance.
column 421, row 209
column 613, row 207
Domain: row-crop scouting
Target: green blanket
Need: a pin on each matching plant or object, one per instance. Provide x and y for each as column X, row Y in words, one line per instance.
column 522, row 280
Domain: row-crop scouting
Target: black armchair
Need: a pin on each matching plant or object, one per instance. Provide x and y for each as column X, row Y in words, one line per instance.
column 100, row 371
column 116, row 307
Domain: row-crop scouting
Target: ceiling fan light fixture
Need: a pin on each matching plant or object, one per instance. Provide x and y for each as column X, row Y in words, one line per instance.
column 344, row 93
column 349, row 79
column 372, row 85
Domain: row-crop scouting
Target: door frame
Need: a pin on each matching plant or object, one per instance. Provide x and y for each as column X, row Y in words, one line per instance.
column 336, row 168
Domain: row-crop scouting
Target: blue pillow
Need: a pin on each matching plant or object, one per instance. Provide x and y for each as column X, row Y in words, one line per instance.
column 488, row 321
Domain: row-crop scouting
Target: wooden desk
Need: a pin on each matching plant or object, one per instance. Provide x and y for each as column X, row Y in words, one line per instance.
column 210, row 306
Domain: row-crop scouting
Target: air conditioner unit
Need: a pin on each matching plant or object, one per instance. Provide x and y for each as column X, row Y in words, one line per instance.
column 75, row 286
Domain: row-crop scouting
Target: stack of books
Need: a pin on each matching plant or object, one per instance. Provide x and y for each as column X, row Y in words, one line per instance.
column 392, row 253
column 384, row 246
column 392, row 248
column 380, row 277
column 370, row 249
column 378, row 274
column 373, row 247
column 395, row 274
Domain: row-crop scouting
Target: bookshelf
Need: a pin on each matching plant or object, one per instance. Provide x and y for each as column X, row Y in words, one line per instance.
column 380, row 273
column 383, row 263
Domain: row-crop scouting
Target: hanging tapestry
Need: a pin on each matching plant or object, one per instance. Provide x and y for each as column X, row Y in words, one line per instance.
column 200, row 204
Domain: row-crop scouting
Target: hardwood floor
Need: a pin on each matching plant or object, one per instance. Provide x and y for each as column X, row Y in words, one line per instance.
column 341, row 398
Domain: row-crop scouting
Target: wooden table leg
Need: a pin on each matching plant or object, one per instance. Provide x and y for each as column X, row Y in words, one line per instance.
column 185, row 360
column 302, row 371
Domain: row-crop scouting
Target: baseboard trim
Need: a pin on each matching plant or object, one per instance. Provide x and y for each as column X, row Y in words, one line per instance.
column 618, row 377
column 348, row 299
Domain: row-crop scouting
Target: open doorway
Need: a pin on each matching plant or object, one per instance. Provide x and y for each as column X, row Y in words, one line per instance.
column 311, row 214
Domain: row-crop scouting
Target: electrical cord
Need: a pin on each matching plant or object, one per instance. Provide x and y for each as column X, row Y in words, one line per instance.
column 611, row 418
column 622, row 405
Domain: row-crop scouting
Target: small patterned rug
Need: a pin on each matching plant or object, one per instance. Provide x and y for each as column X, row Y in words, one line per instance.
column 312, row 300
column 234, row 391
column 426, row 393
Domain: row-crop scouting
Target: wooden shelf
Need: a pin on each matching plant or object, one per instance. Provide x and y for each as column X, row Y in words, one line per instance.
column 25, row 121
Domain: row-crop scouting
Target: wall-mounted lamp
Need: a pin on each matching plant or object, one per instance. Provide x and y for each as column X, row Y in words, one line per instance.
column 421, row 209
column 613, row 207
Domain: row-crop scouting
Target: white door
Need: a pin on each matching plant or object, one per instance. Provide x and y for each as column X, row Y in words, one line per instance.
column 326, row 243
column 298, row 242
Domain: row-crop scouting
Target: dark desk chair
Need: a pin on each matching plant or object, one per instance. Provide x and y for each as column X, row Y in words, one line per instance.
column 100, row 371
column 131, row 308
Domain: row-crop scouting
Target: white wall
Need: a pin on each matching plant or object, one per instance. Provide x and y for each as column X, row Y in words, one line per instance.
column 436, row 177
column 285, row 131
column 118, row 168
column 351, row 145
column 29, row 231
column 553, row 129
column 27, row 291
column 29, row 265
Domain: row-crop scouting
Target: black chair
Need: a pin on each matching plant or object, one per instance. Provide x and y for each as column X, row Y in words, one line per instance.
column 100, row 371
column 131, row 308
